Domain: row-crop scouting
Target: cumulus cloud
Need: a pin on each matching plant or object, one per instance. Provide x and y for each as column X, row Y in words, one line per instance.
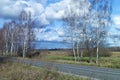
column 41, row 14
column 50, row 33
column 116, row 19
column 12, row 8
column 113, row 32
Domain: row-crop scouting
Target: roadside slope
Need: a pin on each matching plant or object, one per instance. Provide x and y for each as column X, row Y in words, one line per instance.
column 89, row 71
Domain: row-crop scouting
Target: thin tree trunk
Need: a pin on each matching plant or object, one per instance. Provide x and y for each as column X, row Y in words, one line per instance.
column 81, row 55
column 11, row 51
column 6, row 43
column 97, row 53
column 97, row 50
column 24, row 50
column 74, row 52
column 6, row 50
column 78, row 56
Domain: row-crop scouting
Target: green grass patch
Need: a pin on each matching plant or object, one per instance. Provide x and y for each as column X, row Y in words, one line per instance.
column 109, row 62
column 60, row 57
column 69, row 58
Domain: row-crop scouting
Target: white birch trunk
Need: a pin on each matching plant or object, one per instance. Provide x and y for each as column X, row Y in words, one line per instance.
column 11, row 51
column 97, row 53
column 74, row 52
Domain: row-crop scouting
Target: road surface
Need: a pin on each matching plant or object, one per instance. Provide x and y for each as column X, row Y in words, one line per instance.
column 88, row 71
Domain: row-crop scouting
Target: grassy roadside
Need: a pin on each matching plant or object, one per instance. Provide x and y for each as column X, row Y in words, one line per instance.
column 108, row 62
column 15, row 71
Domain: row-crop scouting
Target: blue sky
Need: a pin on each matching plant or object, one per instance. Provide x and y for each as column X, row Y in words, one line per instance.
column 116, row 7
column 116, row 22
column 48, row 13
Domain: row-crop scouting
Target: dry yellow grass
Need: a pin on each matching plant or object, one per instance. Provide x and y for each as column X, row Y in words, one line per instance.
column 14, row 71
column 115, row 54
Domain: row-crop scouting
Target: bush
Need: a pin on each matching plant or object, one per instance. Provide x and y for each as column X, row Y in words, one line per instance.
column 33, row 54
column 103, row 52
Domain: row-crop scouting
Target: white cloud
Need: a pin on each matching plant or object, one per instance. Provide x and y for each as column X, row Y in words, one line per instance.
column 56, row 10
column 44, row 15
column 12, row 8
column 48, row 36
column 116, row 19
column 50, row 33
column 115, row 27
column 60, row 31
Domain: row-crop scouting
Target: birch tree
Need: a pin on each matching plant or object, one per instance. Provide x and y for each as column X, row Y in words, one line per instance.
column 74, row 15
column 89, row 19
column 26, row 31
column 70, row 22
column 2, row 42
column 12, row 36
column 6, row 37
column 102, row 18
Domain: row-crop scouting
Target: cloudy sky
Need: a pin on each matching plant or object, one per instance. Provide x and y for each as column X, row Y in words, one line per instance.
column 47, row 13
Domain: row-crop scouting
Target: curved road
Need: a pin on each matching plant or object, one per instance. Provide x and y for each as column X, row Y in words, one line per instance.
column 88, row 71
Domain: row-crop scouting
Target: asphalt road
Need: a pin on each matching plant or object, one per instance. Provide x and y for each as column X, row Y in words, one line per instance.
column 88, row 71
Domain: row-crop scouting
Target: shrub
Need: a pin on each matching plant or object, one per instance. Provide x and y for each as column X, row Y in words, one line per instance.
column 103, row 52
column 33, row 54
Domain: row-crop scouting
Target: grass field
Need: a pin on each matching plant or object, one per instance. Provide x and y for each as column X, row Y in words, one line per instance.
column 62, row 57
column 14, row 71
